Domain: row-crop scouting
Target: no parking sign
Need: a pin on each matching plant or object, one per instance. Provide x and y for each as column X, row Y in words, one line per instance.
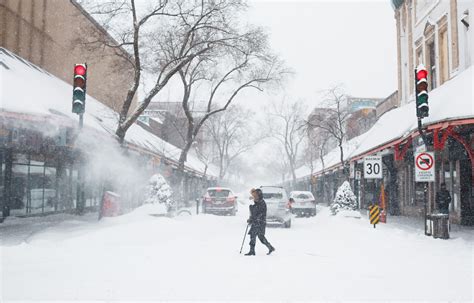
column 424, row 167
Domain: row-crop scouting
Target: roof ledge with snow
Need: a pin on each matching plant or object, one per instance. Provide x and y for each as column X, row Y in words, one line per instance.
column 27, row 89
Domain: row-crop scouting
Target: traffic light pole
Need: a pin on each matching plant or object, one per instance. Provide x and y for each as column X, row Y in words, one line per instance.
column 425, row 184
column 80, row 177
column 423, row 136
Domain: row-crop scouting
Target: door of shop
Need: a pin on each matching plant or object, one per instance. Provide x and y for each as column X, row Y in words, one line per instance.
column 467, row 201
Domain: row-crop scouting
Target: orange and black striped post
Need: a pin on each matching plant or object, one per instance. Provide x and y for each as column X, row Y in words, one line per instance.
column 374, row 214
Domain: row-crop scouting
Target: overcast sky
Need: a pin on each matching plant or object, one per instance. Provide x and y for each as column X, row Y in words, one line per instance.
column 326, row 43
column 330, row 42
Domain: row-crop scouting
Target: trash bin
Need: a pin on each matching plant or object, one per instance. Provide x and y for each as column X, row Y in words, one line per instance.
column 440, row 226
column 429, row 225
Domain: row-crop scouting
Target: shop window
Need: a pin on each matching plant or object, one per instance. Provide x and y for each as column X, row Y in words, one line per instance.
column 33, row 188
column 49, row 189
column 19, row 197
column 67, row 187
column 409, row 185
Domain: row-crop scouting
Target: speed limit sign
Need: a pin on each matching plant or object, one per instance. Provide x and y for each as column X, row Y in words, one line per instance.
column 373, row 167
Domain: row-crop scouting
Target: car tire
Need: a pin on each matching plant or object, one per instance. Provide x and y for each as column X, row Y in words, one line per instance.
column 287, row 224
column 233, row 212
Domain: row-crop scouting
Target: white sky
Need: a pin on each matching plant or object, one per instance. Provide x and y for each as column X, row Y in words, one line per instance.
column 330, row 42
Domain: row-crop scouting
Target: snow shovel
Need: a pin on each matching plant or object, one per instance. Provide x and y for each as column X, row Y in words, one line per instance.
column 246, row 229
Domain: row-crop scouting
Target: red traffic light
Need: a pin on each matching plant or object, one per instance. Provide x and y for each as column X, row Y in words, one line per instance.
column 421, row 72
column 80, row 69
column 79, row 88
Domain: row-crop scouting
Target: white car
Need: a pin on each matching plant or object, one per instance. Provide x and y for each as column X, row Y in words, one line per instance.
column 303, row 203
column 278, row 206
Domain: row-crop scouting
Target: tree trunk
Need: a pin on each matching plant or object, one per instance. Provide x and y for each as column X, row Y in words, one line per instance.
column 292, row 168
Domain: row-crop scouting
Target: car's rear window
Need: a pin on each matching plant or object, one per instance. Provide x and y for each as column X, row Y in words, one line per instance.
column 303, row 196
column 214, row 193
column 272, row 196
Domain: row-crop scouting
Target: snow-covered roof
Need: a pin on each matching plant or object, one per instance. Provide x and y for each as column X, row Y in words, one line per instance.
column 332, row 158
column 451, row 101
column 454, row 100
column 28, row 89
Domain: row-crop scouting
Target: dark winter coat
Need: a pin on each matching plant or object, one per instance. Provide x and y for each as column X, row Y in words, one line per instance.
column 443, row 198
column 258, row 217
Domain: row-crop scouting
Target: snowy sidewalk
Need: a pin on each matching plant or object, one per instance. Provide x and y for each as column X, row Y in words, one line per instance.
column 14, row 231
column 415, row 225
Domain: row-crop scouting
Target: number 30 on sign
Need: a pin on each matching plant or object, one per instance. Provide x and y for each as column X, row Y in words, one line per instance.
column 373, row 167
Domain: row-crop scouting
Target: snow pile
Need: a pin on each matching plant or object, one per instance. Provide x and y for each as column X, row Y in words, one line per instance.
column 158, row 191
column 349, row 214
column 344, row 200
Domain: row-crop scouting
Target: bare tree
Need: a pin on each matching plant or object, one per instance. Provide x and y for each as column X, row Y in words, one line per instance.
column 206, row 156
column 317, row 145
column 241, row 63
column 333, row 117
column 230, row 136
column 161, row 37
column 277, row 162
column 285, row 123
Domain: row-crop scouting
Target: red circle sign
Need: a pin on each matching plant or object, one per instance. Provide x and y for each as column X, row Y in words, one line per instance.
column 424, row 161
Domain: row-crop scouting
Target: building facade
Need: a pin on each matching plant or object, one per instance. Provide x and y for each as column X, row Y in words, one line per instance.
column 362, row 115
column 53, row 34
column 437, row 34
column 434, row 33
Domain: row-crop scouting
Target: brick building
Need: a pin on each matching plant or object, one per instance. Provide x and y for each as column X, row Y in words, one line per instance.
column 49, row 34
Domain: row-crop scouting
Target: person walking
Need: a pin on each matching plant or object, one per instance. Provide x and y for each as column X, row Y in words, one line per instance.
column 443, row 198
column 258, row 221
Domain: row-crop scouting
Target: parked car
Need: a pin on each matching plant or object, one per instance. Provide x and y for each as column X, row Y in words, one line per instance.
column 303, row 203
column 219, row 200
column 278, row 206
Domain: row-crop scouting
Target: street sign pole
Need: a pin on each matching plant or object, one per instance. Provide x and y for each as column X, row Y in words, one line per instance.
column 425, row 184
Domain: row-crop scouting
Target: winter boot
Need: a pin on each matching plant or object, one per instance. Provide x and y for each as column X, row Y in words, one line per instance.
column 251, row 252
column 270, row 249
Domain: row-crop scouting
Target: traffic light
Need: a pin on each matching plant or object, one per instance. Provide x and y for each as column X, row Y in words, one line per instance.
column 421, row 91
column 79, row 89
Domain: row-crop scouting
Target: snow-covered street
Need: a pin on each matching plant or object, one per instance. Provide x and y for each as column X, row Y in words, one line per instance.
column 138, row 256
